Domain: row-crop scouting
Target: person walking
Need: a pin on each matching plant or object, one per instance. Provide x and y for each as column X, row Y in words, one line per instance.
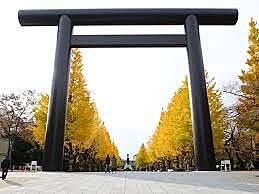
column 107, row 163
column 5, row 165
column 114, row 164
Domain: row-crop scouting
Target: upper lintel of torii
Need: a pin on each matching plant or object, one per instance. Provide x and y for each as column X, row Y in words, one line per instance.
column 164, row 16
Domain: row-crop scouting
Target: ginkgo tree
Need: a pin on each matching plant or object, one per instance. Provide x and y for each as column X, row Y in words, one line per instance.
column 40, row 116
column 248, row 102
column 142, row 159
column 80, row 109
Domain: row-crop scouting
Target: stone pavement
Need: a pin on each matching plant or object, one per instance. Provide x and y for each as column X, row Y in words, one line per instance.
column 131, row 182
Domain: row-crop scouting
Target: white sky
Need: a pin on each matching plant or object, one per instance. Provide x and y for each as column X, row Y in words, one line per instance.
column 130, row 86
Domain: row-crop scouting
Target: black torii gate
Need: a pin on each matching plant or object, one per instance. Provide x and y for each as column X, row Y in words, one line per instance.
column 65, row 19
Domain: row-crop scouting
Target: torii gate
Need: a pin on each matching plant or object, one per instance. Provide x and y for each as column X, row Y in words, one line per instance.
column 65, row 19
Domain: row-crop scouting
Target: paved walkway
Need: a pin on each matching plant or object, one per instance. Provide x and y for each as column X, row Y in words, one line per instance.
column 132, row 182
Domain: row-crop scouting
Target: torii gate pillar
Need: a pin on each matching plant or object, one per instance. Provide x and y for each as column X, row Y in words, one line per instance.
column 202, row 132
column 54, row 142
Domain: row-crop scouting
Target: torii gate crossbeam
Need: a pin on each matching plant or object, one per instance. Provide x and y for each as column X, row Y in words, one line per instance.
column 65, row 19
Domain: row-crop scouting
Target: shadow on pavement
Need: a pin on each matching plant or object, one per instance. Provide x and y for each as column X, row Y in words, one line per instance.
column 12, row 183
column 219, row 180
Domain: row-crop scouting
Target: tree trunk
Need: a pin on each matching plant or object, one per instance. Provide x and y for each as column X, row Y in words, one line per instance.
column 241, row 162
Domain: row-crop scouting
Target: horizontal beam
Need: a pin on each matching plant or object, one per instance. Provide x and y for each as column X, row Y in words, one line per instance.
column 113, row 41
column 127, row 16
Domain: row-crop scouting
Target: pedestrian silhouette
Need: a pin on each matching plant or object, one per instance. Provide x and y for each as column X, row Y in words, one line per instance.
column 128, row 159
column 114, row 164
column 107, row 164
column 5, row 165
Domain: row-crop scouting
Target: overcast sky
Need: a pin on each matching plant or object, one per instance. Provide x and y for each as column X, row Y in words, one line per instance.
column 130, row 86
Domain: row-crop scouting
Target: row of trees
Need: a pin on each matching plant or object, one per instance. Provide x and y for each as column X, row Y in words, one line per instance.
column 171, row 144
column 23, row 120
column 87, row 141
column 173, row 138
